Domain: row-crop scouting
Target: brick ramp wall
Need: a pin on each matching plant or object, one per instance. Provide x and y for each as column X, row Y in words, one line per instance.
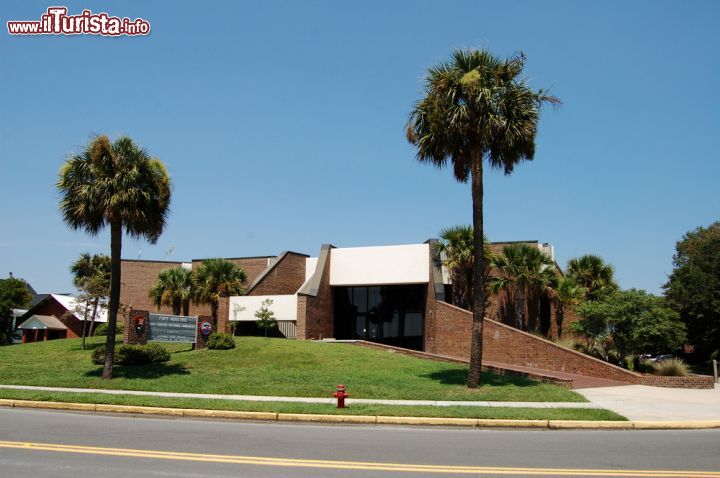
column 507, row 345
column 692, row 381
column 498, row 369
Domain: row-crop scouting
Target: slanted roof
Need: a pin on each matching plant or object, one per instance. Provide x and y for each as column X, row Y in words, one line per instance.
column 42, row 322
column 70, row 304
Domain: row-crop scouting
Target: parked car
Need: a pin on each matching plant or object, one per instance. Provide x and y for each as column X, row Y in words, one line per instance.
column 661, row 358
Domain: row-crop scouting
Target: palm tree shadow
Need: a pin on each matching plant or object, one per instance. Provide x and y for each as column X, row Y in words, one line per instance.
column 142, row 372
column 453, row 376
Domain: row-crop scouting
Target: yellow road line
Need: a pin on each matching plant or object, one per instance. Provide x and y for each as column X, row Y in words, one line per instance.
column 345, row 465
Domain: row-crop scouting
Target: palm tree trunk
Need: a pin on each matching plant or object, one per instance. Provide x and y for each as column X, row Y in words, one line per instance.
column 478, row 284
column 92, row 323
column 213, row 312
column 114, row 303
column 186, row 307
column 87, row 303
column 520, row 308
column 559, row 318
column 176, row 304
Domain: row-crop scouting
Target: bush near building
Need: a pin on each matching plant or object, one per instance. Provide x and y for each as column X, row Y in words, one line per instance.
column 221, row 342
column 133, row 354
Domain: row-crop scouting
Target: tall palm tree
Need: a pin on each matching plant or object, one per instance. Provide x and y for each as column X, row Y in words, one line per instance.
column 529, row 271
column 592, row 273
column 91, row 274
column 173, row 287
column 216, row 278
column 567, row 293
column 457, row 248
column 115, row 184
column 476, row 108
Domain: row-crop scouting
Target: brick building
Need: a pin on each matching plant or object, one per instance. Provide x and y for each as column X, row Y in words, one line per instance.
column 56, row 316
column 392, row 296
column 381, row 294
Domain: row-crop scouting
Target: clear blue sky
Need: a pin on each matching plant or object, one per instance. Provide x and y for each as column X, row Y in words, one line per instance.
column 282, row 125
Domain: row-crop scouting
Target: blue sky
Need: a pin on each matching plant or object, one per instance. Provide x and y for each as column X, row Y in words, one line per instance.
column 282, row 125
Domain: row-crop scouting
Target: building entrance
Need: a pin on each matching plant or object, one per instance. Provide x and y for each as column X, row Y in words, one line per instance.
column 389, row 314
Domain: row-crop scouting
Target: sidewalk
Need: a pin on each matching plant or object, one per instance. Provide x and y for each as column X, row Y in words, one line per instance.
column 640, row 402
column 349, row 401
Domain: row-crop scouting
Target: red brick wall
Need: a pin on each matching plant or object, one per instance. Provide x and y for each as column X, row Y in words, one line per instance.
column 285, row 278
column 504, row 344
column 315, row 313
column 137, row 277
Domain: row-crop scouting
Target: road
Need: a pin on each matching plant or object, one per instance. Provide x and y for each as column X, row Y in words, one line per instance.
column 58, row 444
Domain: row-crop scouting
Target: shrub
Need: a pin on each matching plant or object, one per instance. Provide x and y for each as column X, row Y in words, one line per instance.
column 157, row 353
column 101, row 329
column 133, row 354
column 98, row 355
column 570, row 343
column 646, row 366
column 221, row 342
column 673, row 367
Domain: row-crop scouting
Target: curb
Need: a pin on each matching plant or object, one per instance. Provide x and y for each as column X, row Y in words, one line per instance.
column 365, row 419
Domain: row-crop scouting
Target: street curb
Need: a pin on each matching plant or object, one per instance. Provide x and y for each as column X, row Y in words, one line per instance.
column 365, row 419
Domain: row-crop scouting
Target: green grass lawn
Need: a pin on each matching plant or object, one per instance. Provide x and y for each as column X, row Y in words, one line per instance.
column 513, row 413
column 261, row 366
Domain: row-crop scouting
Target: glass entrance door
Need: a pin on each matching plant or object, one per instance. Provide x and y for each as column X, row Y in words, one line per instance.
column 394, row 315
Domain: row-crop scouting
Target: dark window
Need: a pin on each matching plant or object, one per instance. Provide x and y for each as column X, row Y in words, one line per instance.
column 392, row 314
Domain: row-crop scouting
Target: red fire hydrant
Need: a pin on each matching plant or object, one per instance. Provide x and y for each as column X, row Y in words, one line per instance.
column 340, row 395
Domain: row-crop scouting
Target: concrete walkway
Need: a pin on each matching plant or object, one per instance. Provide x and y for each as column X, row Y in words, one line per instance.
column 640, row 402
column 350, row 401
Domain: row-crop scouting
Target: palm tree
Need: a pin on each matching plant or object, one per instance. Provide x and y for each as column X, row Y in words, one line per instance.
column 216, row 278
column 91, row 274
column 476, row 108
column 529, row 271
column 457, row 249
column 567, row 293
column 592, row 273
column 173, row 287
column 115, row 184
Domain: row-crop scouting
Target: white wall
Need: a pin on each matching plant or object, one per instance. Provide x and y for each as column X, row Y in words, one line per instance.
column 407, row 264
column 310, row 266
column 243, row 307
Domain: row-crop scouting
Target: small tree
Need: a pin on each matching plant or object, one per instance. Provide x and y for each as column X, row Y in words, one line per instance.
column 173, row 287
column 266, row 317
column 215, row 279
column 92, row 276
column 567, row 293
column 633, row 321
column 13, row 295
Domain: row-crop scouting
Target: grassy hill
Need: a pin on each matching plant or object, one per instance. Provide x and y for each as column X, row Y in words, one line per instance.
column 262, row 366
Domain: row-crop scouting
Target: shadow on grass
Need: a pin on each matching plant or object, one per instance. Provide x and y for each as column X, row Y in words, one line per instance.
column 142, row 372
column 459, row 377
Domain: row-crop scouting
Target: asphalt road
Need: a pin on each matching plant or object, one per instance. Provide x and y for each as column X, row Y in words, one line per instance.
column 35, row 443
